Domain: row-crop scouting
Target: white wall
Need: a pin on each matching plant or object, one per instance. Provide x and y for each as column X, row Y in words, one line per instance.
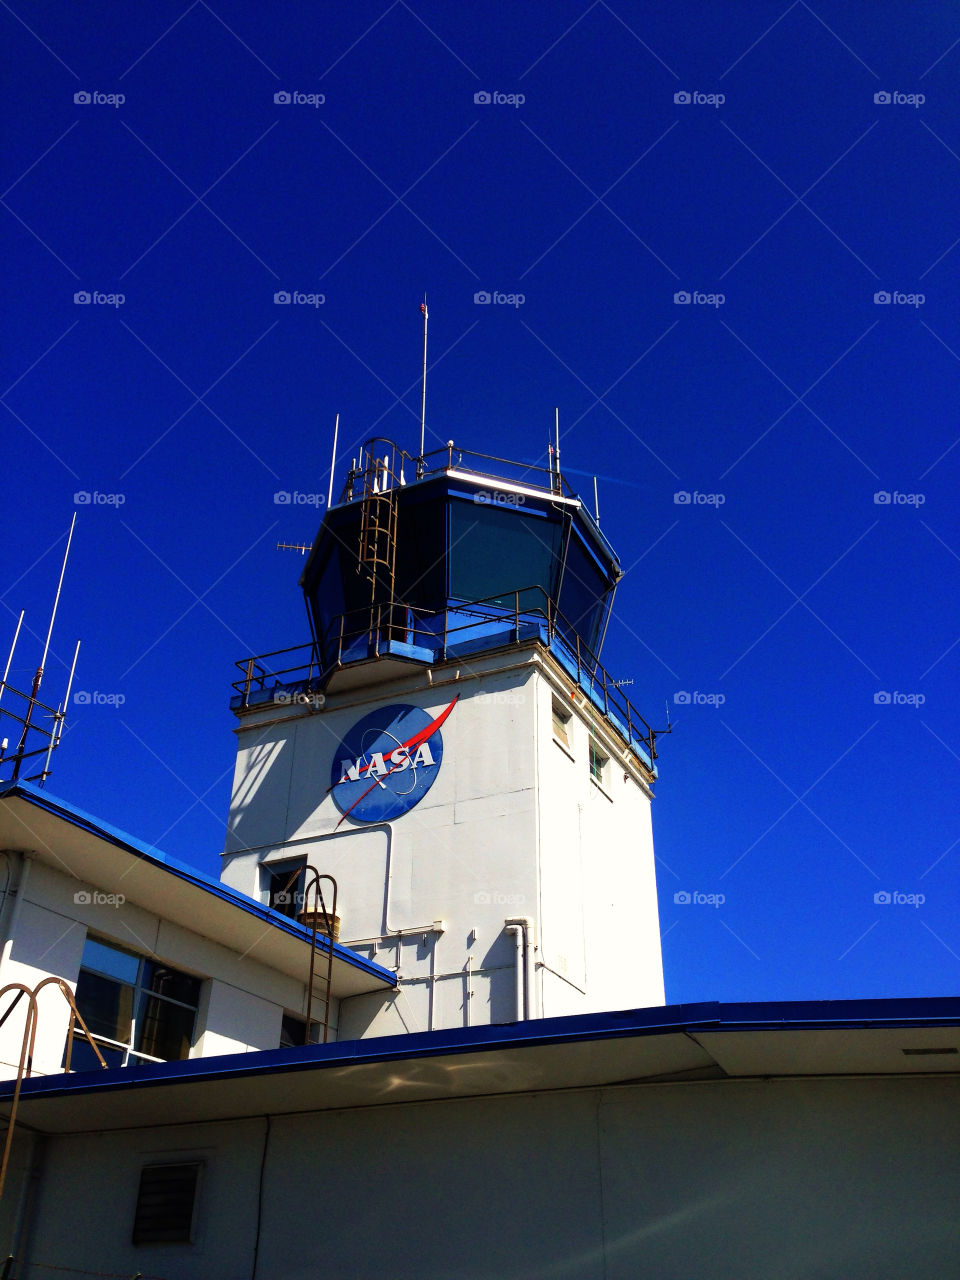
column 242, row 1002
column 512, row 827
column 732, row 1180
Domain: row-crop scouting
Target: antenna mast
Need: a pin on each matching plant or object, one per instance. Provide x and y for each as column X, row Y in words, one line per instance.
column 423, row 394
column 333, row 462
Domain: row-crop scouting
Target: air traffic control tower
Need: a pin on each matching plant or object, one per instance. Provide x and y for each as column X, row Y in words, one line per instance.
column 449, row 749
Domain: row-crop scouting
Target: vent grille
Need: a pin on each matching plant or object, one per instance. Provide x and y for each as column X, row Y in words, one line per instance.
column 165, row 1203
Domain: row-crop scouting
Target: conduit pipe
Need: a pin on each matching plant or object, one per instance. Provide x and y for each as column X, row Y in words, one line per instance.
column 521, row 927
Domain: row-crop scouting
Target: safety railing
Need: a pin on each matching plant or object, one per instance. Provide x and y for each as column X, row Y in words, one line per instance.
column 381, row 624
column 400, row 468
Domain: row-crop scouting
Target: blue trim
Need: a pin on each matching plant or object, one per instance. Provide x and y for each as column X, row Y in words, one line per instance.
column 667, row 1020
column 86, row 822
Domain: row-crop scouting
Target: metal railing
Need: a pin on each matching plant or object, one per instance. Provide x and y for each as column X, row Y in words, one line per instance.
column 402, row 468
column 382, row 624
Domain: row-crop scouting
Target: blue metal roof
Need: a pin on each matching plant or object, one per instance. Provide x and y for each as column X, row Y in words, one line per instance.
column 810, row 1015
column 150, row 854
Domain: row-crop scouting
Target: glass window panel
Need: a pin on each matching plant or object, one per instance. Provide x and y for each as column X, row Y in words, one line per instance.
column 171, row 982
column 113, row 961
column 83, row 1057
column 583, row 594
column 105, row 1006
column 164, row 1030
column 495, row 551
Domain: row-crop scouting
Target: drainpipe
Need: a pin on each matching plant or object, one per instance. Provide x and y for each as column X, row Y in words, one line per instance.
column 520, row 927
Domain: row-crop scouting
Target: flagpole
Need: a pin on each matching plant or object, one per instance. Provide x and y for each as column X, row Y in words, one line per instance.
column 423, row 395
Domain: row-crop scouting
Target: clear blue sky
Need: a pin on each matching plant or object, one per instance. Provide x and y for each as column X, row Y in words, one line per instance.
column 797, row 599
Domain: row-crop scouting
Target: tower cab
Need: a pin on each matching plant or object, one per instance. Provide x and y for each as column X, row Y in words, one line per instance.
column 449, row 749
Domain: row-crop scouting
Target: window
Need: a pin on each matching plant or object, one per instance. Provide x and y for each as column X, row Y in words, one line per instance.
column 285, row 892
column 293, row 1032
column 598, row 764
column 166, row 1201
column 561, row 722
column 137, row 1010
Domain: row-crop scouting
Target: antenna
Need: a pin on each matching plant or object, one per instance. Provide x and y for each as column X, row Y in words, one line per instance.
column 556, row 452
column 423, row 395
column 596, row 503
column 333, row 462
column 24, row 749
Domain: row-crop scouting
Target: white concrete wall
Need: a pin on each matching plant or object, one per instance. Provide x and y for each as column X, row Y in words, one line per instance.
column 732, row 1180
column 466, row 854
column 242, row 1002
column 599, row 923
column 512, row 827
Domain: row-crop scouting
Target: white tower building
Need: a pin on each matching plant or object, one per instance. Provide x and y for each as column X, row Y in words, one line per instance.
column 450, row 750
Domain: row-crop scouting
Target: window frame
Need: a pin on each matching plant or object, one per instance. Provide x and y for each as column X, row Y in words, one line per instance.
column 142, row 994
column 598, row 763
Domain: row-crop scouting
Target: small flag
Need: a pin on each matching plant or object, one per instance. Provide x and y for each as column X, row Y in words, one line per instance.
column 423, row 308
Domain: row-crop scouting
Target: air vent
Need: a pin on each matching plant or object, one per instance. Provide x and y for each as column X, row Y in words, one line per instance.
column 165, row 1203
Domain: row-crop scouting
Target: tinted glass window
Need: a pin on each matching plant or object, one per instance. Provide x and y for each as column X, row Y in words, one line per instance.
column 583, row 594
column 494, row 551
column 106, row 1006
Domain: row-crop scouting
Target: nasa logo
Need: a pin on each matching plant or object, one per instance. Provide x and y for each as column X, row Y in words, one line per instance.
column 387, row 763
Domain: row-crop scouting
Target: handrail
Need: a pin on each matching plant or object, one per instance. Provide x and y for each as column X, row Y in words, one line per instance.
column 398, row 621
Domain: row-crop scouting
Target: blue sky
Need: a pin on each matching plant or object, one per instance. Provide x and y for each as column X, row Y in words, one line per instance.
column 738, row 155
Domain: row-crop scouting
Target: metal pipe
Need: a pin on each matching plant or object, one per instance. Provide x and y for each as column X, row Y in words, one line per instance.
column 56, row 602
column 333, row 462
column 525, row 969
column 517, row 932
